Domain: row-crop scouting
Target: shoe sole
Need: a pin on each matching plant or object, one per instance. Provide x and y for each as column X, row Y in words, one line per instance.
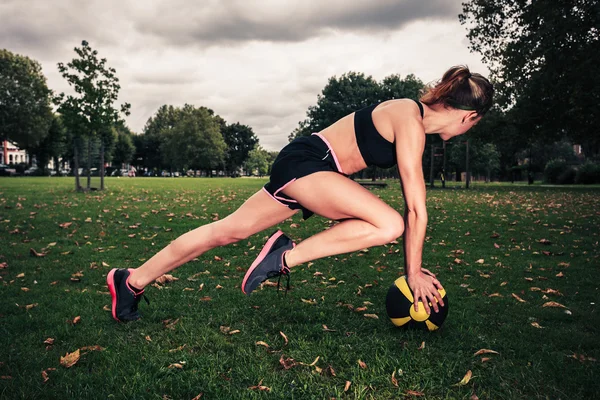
column 261, row 256
column 111, row 286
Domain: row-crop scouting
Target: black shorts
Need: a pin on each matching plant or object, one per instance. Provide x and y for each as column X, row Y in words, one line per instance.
column 303, row 156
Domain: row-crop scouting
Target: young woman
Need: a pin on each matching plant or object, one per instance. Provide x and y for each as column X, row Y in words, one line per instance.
column 311, row 174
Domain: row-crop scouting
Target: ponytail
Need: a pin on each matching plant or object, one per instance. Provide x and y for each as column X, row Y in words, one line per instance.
column 462, row 90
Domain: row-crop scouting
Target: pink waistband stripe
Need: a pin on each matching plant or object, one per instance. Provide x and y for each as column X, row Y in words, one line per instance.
column 337, row 163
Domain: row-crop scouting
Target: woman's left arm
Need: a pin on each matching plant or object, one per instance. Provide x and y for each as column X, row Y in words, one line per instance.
column 410, row 144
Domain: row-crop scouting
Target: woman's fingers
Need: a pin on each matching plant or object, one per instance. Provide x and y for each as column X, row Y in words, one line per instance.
column 428, row 272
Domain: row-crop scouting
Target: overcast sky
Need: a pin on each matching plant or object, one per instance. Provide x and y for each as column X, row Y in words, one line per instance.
column 261, row 63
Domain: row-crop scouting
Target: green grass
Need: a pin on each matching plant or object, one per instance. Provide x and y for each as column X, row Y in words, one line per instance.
column 532, row 363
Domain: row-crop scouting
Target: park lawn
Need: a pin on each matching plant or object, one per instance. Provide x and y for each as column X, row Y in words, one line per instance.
column 501, row 251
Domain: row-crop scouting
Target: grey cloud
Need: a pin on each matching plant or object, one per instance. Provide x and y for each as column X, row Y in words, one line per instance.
column 228, row 22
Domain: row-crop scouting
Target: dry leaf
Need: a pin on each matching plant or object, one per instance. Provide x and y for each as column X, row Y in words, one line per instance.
column 224, row 329
column 465, row 379
column 76, row 320
column 260, row 385
column 261, row 343
column 485, row 351
column 312, row 301
column 30, row 306
column 495, row 295
column 45, row 376
column 21, row 275
column 92, row 348
column 329, row 370
column 49, row 341
column 360, row 309
column 394, row 380
column 518, row 298
column 414, row 393
column 553, row 304
column 347, row 386
column 178, row 348
column 25, row 289
column 176, row 365
column 148, row 338
column 480, row 261
column 373, row 316
column 205, row 298
column 560, row 275
column 552, row 291
column 165, row 279
column 422, row 346
column 198, row 397
column 70, row 359
column 284, row 338
column 326, row 329
column 234, row 332
column 287, row 363
column 36, row 254
column 362, row 364
column 536, row 325
column 485, row 359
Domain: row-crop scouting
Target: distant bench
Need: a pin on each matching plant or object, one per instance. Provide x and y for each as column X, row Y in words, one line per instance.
column 371, row 183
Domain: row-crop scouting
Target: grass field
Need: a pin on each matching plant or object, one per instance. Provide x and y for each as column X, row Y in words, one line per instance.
column 502, row 253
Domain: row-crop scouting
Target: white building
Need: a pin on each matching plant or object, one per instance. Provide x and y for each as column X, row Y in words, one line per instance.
column 11, row 154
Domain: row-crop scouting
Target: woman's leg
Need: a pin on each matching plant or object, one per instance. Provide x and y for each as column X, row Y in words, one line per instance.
column 368, row 220
column 258, row 213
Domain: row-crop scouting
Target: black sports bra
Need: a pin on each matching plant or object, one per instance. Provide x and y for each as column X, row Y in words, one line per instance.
column 374, row 148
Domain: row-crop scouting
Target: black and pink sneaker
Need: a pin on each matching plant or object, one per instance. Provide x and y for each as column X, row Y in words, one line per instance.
column 269, row 263
column 124, row 299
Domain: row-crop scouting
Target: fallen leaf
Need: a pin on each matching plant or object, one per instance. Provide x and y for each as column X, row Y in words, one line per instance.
column 45, row 376
column 70, row 359
column 518, row 298
column 217, row 258
column 176, row 365
column 560, row 275
column 360, row 309
column 485, row 359
column 414, row 393
column 284, row 338
column 480, row 261
column 422, row 346
column 198, row 397
column 261, row 343
column 178, row 348
column 373, row 316
column 30, row 306
column 25, row 289
column 312, row 301
column 330, row 371
column 553, row 304
column 394, row 380
column 326, row 329
column 465, row 379
column 260, row 387
column 165, row 279
column 92, row 348
column 234, row 332
column 76, row 320
column 205, row 298
column 495, row 295
column 536, row 325
column 170, row 323
column 347, row 386
column 148, row 338
column 224, row 329
column 362, row 364
column 287, row 363
column 485, row 351
column 49, row 341
column 552, row 291
column 35, row 253
column 21, row 275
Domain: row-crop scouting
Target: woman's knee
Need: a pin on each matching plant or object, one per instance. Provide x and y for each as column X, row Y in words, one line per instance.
column 391, row 229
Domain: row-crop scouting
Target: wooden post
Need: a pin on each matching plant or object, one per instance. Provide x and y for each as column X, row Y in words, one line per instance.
column 431, row 170
column 468, row 173
column 444, row 167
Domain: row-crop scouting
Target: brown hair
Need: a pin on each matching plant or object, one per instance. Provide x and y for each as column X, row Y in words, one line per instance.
column 461, row 89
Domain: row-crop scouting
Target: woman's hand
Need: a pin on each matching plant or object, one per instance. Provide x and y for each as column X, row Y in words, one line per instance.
column 425, row 287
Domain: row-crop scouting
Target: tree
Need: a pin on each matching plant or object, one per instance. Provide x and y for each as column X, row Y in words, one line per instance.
column 195, row 141
column 25, row 101
column 544, row 56
column 240, row 140
column 124, row 148
column 154, row 136
column 258, row 161
column 92, row 107
column 51, row 146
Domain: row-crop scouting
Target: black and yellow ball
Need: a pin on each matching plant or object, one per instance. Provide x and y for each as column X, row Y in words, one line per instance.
column 401, row 310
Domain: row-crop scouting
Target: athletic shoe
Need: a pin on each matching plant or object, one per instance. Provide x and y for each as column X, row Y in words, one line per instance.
column 269, row 263
column 124, row 299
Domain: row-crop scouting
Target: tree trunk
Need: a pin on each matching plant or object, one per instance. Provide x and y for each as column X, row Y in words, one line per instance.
column 89, row 164
column 76, row 169
column 101, row 164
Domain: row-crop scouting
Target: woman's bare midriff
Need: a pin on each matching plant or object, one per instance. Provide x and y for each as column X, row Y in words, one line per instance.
column 342, row 138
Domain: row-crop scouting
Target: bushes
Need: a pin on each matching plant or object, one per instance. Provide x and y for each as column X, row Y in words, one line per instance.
column 588, row 173
column 557, row 171
column 554, row 169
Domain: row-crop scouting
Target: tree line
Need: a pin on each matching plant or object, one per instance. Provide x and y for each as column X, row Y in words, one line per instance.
column 542, row 56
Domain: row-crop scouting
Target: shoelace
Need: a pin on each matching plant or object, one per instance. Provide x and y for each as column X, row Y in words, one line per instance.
column 284, row 271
